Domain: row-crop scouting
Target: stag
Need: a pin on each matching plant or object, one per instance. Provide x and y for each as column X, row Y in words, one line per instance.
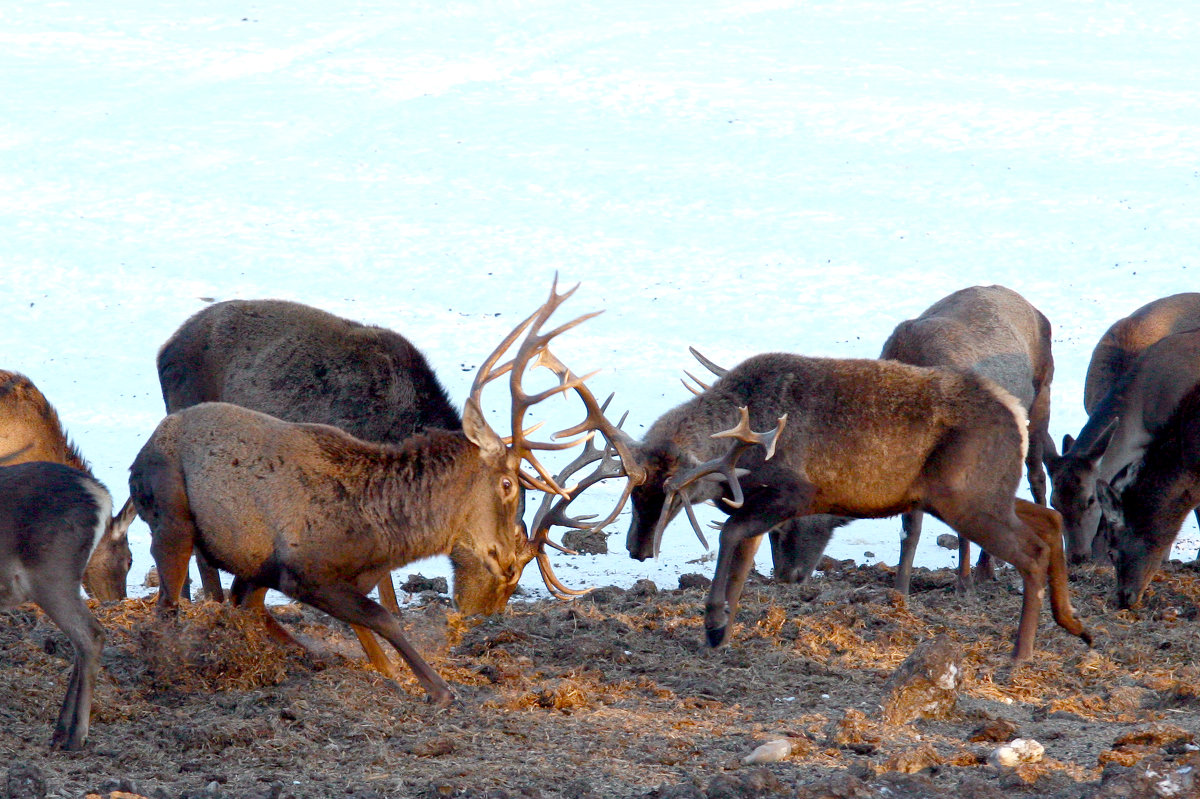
column 797, row 544
column 30, row 430
column 1144, row 507
column 301, row 364
column 992, row 331
column 51, row 518
column 1073, row 474
column 323, row 516
column 858, row 438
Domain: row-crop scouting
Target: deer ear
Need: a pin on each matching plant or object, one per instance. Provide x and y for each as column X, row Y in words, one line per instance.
column 481, row 434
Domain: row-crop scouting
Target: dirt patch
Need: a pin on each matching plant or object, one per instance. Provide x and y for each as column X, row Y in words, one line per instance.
column 615, row 695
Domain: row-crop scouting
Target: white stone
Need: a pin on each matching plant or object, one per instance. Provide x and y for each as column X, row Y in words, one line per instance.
column 1016, row 752
column 770, row 752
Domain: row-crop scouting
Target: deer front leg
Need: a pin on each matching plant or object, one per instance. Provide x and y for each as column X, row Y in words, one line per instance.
column 771, row 497
column 734, row 562
column 343, row 601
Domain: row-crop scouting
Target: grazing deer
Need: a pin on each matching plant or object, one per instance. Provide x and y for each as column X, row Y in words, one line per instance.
column 323, row 516
column 1144, row 507
column 301, row 364
column 30, row 431
column 860, row 438
column 51, row 518
column 1120, row 425
column 992, row 331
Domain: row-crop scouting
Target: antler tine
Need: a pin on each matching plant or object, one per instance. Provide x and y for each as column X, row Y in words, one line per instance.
column 719, row 371
column 535, row 344
column 703, row 386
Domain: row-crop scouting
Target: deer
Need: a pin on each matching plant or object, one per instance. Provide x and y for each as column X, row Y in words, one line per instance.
column 1101, row 450
column 323, row 516
column 303, row 364
column 995, row 332
column 30, row 430
column 852, row 437
column 1144, row 506
column 51, row 518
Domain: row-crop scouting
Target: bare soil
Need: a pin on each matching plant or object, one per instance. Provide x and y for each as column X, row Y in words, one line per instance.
column 615, row 695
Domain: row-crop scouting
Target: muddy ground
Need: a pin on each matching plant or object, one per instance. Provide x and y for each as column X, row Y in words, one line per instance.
column 615, row 695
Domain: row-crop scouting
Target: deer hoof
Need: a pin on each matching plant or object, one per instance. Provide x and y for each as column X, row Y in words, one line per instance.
column 443, row 698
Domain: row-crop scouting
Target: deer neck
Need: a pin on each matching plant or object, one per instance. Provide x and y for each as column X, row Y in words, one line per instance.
column 415, row 493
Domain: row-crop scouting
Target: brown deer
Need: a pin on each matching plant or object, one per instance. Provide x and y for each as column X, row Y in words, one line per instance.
column 302, row 364
column 323, row 516
column 1117, row 432
column 1073, row 474
column 992, row 331
column 30, row 430
column 860, row 438
column 51, row 518
column 1144, row 507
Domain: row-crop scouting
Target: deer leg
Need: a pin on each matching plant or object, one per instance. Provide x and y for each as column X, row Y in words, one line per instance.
column 910, row 527
column 255, row 600
column 984, row 570
column 766, row 505
column 161, row 499
column 210, row 579
column 387, row 596
column 1048, row 525
column 342, row 601
column 964, row 584
column 87, row 638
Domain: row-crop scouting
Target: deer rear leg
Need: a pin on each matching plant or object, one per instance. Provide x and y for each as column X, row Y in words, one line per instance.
column 910, row 534
column 1047, row 523
column 343, row 601
column 210, row 579
column 87, row 639
column 161, row 500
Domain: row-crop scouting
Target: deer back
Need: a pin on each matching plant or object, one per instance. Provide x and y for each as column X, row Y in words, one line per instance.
column 1127, row 338
column 30, row 429
column 990, row 330
column 305, row 365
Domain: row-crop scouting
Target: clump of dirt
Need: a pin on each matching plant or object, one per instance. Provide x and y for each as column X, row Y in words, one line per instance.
column 616, row 695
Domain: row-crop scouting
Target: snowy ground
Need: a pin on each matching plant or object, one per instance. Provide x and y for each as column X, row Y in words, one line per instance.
column 742, row 176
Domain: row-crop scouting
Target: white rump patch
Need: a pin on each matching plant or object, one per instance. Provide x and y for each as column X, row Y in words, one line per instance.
column 1018, row 412
column 103, row 511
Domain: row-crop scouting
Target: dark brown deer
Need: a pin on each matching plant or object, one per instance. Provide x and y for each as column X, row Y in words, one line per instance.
column 992, row 331
column 51, row 517
column 31, row 431
column 1148, row 500
column 1073, row 474
column 1117, row 432
column 860, row 438
column 301, row 364
column 323, row 516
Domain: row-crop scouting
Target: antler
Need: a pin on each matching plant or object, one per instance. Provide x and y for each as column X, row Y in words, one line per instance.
column 725, row 467
column 707, row 364
column 534, row 345
column 552, row 510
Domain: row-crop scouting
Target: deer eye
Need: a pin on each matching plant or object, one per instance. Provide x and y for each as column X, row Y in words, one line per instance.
column 506, row 485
